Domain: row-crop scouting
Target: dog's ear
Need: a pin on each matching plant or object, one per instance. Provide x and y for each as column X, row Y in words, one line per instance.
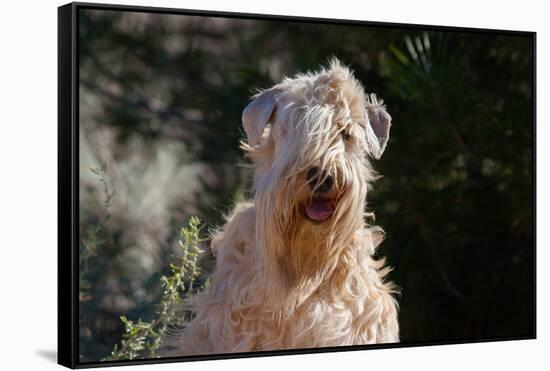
column 378, row 127
column 258, row 114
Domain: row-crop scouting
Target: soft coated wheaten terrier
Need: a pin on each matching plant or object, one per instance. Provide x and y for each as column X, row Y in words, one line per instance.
column 295, row 266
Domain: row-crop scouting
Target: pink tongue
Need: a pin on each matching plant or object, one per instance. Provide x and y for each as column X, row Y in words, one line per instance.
column 319, row 210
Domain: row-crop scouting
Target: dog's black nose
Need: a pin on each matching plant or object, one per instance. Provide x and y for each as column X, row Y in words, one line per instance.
column 313, row 174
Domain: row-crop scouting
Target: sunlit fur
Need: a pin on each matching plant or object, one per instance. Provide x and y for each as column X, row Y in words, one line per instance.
column 282, row 281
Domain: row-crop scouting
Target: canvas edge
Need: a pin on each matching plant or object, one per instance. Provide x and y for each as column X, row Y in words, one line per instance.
column 67, row 205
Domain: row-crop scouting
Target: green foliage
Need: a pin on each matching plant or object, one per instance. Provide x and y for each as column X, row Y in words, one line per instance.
column 92, row 243
column 456, row 195
column 142, row 339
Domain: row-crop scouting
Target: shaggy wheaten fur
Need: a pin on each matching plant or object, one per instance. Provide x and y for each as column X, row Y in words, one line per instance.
column 295, row 266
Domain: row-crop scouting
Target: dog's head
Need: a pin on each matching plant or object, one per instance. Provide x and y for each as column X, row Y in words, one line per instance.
column 309, row 138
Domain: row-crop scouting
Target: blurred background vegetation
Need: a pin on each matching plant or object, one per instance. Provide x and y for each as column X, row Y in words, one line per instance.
column 160, row 104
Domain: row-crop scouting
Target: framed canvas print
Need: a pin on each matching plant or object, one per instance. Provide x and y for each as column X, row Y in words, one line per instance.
column 240, row 185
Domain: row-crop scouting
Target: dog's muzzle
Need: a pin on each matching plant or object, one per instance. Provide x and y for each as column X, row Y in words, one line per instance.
column 320, row 207
column 313, row 174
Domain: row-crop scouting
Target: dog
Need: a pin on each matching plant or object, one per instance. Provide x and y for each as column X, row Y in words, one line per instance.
column 294, row 266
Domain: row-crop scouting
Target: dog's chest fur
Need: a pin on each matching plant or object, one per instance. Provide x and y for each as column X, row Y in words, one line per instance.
column 243, row 312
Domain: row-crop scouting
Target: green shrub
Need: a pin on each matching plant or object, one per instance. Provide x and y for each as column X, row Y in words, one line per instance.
column 143, row 339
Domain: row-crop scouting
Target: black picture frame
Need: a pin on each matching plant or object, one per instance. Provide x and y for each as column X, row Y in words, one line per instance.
column 68, row 180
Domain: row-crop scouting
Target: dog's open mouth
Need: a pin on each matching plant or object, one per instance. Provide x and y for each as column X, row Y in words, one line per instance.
column 319, row 209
